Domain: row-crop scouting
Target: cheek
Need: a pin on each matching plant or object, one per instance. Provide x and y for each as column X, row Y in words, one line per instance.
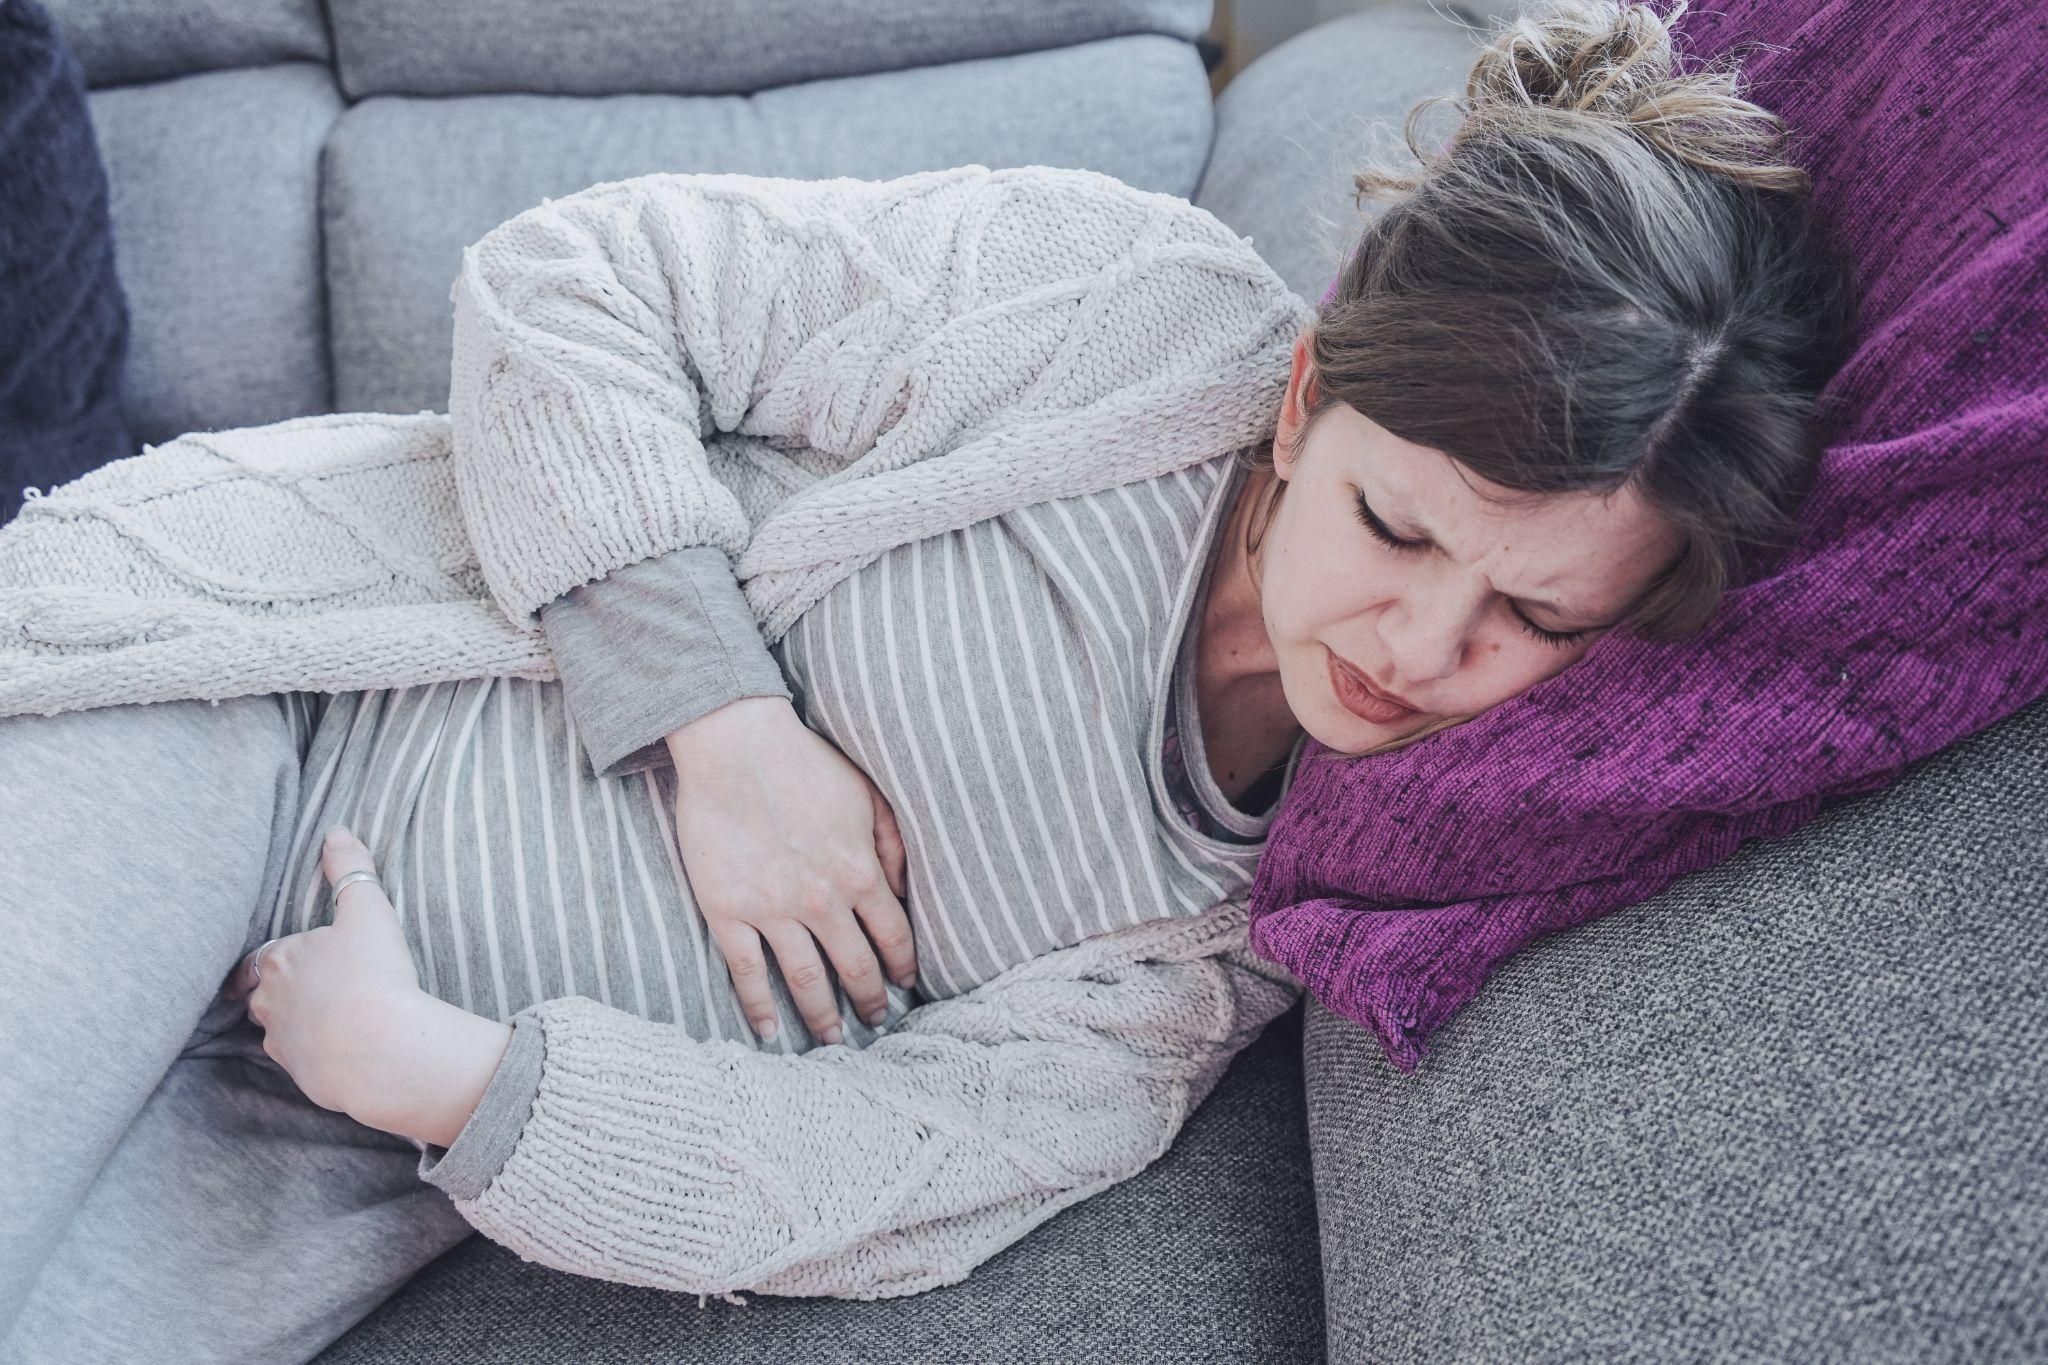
column 1508, row 665
column 1312, row 580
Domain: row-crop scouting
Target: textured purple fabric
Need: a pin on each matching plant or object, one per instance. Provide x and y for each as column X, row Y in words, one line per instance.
column 1913, row 609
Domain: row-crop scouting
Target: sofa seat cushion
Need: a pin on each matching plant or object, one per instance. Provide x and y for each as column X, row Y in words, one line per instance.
column 1208, row 1255
column 1791, row 1108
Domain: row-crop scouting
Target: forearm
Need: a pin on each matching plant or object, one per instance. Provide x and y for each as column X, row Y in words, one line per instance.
column 651, row 1159
column 601, row 338
column 652, row 648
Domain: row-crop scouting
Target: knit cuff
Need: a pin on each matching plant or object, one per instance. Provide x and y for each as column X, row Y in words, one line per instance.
column 466, row 1168
column 651, row 647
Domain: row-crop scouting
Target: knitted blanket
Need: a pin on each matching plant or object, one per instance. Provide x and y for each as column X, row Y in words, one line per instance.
column 1912, row 611
column 804, row 373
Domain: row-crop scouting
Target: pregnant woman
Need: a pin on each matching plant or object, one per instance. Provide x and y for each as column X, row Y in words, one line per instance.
column 811, row 708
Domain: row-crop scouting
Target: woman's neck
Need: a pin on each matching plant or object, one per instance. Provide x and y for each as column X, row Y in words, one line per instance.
column 1247, row 728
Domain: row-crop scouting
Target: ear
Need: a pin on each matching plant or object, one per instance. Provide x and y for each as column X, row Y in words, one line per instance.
column 1301, row 391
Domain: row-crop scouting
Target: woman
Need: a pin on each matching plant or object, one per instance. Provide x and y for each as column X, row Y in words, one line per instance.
column 1052, row 553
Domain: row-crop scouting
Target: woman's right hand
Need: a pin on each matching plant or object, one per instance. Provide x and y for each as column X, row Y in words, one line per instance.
column 788, row 843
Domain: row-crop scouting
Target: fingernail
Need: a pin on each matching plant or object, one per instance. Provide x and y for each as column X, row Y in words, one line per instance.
column 832, row 1035
column 334, row 835
column 907, row 980
column 767, row 1028
column 876, row 1016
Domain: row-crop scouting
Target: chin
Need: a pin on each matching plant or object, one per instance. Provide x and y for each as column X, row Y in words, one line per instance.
column 1330, row 725
column 1349, row 734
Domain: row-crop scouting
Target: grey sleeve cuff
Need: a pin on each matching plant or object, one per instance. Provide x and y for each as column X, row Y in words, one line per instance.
column 467, row 1168
column 651, row 647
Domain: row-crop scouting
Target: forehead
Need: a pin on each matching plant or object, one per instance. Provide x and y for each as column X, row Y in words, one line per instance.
column 1590, row 552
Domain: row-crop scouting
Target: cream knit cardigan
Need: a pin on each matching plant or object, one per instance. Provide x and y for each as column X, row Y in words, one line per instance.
column 805, row 374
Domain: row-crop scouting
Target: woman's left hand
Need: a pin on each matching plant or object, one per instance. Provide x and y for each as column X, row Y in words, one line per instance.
column 342, row 1012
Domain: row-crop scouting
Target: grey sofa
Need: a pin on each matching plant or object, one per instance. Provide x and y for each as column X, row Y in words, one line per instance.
column 1791, row 1109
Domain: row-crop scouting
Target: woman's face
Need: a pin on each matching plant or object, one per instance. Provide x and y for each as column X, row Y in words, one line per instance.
column 1447, row 628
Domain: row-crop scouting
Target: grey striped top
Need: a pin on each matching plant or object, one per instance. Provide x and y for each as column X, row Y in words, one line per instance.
column 1007, row 686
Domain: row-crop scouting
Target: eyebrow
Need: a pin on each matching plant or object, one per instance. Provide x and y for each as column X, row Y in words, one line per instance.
column 1415, row 531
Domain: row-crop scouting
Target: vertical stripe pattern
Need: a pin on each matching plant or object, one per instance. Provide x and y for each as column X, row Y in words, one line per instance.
column 1004, row 685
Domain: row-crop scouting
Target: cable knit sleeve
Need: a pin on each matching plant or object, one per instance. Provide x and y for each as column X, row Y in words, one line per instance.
column 648, row 1158
column 601, row 341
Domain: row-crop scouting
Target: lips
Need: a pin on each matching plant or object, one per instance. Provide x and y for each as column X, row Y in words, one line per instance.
column 1360, row 698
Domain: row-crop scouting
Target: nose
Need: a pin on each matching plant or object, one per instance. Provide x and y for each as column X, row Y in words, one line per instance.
column 1425, row 636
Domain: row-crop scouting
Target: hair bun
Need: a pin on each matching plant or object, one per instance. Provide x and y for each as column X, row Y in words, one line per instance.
column 1618, row 62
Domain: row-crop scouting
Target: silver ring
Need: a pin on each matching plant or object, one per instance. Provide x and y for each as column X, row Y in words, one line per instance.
column 256, row 963
column 350, row 880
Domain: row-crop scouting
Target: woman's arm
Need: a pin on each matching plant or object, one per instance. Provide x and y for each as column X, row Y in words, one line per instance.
column 602, row 339
column 601, row 1143
column 611, row 1146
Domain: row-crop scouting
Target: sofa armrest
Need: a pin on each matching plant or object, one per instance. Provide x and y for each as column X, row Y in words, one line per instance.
column 1788, row 1109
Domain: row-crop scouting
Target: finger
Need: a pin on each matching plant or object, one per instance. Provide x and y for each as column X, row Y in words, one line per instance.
column 341, row 854
column 889, row 842
column 242, row 980
column 245, row 983
column 748, row 967
column 853, row 958
column 804, row 973
column 889, row 930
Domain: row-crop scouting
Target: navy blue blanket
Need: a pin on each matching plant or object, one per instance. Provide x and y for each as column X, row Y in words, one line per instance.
column 63, row 319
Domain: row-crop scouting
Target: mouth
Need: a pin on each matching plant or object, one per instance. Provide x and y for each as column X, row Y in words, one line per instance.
column 1361, row 698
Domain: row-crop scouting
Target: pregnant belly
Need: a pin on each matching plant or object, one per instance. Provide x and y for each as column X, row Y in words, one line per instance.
column 519, row 876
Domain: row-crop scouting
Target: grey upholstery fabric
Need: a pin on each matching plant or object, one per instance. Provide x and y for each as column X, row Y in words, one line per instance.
column 704, row 47
column 123, row 41
column 1207, row 1256
column 479, row 160
column 214, row 185
column 1293, row 126
column 1792, row 1108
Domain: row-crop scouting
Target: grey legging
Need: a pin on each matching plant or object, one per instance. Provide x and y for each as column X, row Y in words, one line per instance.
column 168, row 1192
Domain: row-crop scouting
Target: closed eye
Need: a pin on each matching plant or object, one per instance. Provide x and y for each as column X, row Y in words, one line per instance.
column 1561, row 639
column 1379, row 528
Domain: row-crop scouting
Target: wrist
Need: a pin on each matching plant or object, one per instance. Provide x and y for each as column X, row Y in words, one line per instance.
column 435, row 1062
column 740, row 721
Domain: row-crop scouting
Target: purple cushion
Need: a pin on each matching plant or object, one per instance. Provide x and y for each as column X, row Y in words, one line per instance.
column 1911, row 611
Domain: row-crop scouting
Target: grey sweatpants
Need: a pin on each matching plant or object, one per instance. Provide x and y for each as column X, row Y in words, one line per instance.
column 167, row 1192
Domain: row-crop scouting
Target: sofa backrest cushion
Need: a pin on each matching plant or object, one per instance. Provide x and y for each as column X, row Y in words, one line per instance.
column 288, row 238
column 409, row 182
column 121, row 42
column 704, row 47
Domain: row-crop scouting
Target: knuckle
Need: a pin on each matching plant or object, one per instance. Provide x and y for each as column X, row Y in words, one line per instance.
column 859, row 971
column 805, row 976
column 860, row 877
column 747, row 970
column 894, row 939
column 718, row 909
